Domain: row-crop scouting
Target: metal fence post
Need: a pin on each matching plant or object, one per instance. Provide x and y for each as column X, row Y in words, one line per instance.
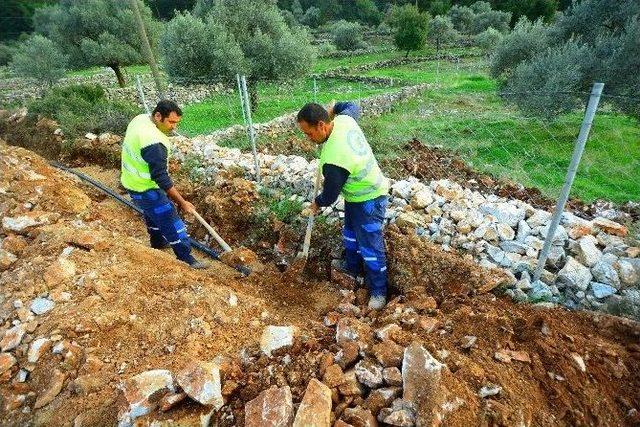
column 592, row 106
column 315, row 90
column 252, row 134
column 143, row 99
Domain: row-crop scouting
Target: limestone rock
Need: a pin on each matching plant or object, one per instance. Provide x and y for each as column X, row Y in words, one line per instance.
column 504, row 212
column 586, row 252
column 610, row 227
column 360, row 417
column 369, row 373
column 333, row 376
column 421, row 376
column 604, row 272
column 315, row 408
column 272, row 408
column 7, row 361
column 144, row 391
column 575, row 275
column 6, row 259
column 389, row 354
column 350, row 329
column 601, row 290
column 275, row 337
column 41, row 306
column 392, row 376
column 37, row 349
column 53, row 389
column 201, row 381
column 12, row 337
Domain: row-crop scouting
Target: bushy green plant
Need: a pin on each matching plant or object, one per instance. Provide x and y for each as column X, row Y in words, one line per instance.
column 39, row 58
column 594, row 41
column 536, row 85
column 411, row 27
column 97, row 32
column 526, row 40
column 347, row 35
column 6, row 52
column 441, row 31
column 488, row 39
column 236, row 36
column 84, row 108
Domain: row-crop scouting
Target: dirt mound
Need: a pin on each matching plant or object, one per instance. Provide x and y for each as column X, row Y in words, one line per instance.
column 432, row 163
column 416, row 263
column 120, row 306
column 111, row 307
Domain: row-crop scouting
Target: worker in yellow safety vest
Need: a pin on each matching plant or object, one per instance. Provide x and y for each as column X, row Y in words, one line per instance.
column 350, row 168
column 145, row 152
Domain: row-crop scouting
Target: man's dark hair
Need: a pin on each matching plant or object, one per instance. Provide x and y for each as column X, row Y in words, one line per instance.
column 313, row 113
column 166, row 107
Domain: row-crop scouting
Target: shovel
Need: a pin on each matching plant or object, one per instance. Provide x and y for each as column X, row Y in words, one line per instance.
column 225, row 247
column 298, row 265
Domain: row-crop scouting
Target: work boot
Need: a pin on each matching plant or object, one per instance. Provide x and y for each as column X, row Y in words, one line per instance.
column 199, row 265
column 377, row 302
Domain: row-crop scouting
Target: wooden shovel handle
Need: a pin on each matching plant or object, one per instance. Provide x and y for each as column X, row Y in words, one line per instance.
column 220, row 240
column 307, row 236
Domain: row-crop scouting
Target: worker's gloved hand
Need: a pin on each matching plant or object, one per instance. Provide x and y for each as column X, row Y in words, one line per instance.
column 187, row 207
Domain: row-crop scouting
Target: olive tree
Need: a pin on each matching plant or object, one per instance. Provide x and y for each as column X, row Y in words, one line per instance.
column 441, row 31
column 97, row 32
column 39, row 58
column 347, row 35
column 593, row 41
column 410, row 27
column 236, row 36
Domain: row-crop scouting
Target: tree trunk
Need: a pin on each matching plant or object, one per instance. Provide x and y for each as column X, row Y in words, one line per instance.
column 406, row 55
column 116, row 69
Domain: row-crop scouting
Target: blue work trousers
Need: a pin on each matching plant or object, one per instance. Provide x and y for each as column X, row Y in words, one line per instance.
column 364, row 242
column 163, row 223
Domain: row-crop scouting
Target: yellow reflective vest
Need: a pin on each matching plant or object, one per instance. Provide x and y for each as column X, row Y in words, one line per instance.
column 348, row 148
column 141, row 133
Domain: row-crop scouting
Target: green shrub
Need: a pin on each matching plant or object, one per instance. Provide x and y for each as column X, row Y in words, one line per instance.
column 84, row 108
column 5, row 54
column 347, row 35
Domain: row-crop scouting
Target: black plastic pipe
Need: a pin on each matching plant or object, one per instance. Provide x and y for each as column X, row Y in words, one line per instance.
column 196, row 244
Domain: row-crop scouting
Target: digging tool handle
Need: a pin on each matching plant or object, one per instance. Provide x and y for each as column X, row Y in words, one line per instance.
column 220, row 240
column 307, row 236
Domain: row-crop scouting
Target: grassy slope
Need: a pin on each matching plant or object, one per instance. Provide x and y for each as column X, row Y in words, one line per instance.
column 465, row 114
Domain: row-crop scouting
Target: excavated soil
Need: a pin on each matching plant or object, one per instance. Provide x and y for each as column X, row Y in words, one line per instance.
column 128, row 308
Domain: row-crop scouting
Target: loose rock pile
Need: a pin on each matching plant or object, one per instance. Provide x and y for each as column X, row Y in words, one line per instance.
column 589, row 263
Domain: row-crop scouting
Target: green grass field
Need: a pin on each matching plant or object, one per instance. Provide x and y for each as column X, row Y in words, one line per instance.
column 464, row 114
column 461, row 112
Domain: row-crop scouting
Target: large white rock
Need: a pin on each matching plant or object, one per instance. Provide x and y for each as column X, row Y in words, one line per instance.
column 504, row 212
column 539, row 218
column 144, row 391
column 272, row 408
column 586, row 251
column 559, row 237
column 421, row 376
column 201, row 381
column 315, row 408
column 275, row 337
column 575, row 275
column 422, row 199
column 604, row 272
